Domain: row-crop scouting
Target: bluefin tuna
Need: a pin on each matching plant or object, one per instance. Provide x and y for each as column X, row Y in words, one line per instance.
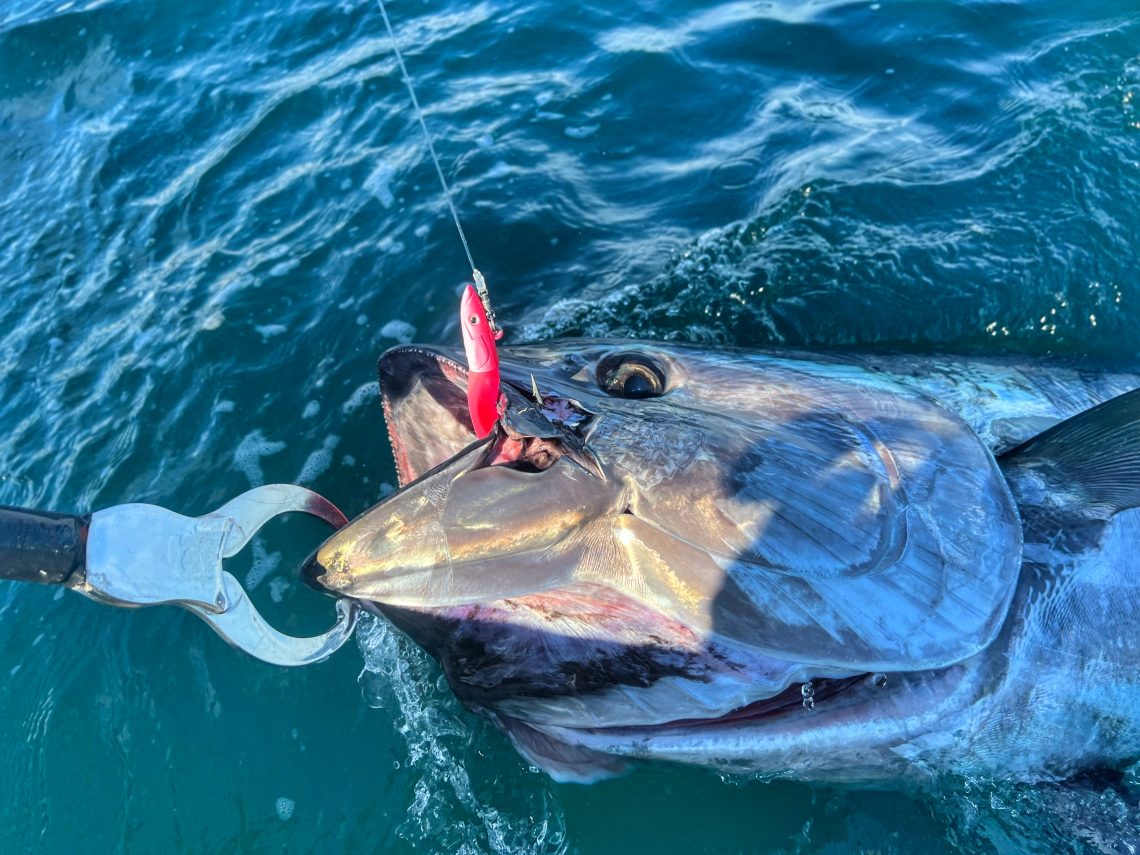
column 835, row 568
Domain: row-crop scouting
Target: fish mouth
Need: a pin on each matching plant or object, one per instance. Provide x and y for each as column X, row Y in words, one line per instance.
column 464, row 504
column 585, row 754
column 424, row 394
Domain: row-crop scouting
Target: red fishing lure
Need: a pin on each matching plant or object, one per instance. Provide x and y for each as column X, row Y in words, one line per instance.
column 483, row 395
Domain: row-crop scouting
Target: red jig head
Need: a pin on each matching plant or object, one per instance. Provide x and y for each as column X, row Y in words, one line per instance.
column 483, row 395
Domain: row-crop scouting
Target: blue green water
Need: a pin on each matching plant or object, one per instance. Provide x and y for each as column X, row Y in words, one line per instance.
column 214, row 216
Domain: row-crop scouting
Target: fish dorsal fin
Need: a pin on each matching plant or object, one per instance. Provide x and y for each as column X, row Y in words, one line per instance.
column 1093, row 457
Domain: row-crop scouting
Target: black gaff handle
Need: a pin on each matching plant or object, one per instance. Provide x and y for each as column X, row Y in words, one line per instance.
column 37, row 546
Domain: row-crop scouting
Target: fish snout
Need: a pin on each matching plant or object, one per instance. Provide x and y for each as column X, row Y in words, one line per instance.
column 469, row 533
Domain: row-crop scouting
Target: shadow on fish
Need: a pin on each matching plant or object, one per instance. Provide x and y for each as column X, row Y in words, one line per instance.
column 792, row 565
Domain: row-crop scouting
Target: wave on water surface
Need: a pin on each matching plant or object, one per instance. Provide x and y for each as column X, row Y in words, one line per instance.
column 218, row 214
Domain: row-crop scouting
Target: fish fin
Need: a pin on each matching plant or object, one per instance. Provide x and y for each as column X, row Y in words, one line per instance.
column 564, row 763
column 1095, row 454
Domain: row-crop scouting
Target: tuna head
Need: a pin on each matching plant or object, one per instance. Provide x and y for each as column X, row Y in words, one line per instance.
column 656, row 534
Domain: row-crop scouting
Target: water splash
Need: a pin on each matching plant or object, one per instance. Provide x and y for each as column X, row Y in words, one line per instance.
column 985, row 816
column 446, row 753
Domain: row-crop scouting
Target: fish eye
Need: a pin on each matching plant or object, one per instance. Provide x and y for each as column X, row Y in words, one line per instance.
column 631, row 375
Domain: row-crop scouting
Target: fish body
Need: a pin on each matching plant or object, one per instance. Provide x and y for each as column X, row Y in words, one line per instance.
column 786, row 564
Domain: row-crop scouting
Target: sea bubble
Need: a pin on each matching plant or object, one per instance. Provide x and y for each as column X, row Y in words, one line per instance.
column 401, row 331
column 317, row 463
column 247, row 456
column 379, row 184
column 363, row 394
column 285, row 808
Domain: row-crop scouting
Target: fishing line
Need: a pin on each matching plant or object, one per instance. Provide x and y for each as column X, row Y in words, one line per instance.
column 431, row 150
column 485, row 399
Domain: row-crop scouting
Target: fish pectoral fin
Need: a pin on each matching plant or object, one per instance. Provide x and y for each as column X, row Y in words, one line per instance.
column 566, row 764
column 1093, row 457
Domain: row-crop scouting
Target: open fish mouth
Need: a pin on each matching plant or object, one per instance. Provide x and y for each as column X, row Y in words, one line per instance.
column 425, row 407
column 424, row 395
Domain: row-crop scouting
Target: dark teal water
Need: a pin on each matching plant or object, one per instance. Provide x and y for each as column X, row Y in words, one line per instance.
column 215, row 215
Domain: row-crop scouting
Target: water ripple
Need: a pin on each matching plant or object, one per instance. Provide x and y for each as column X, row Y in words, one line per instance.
column 217, row 214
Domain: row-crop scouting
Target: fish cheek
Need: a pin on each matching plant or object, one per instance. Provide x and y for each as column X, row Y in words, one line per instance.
column 677, row 577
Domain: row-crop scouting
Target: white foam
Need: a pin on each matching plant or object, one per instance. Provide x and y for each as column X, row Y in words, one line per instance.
column 264, row 563
column 278, row 585
column 311, row 409
column 267, row 331
column 247, row 456
column 401, row 331
column 401, row 679
column 363, row 394
column 317, row 463
column 639, row 39
column 379, row 184
column 285, row 807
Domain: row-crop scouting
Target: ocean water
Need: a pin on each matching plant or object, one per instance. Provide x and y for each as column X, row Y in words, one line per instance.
column 215, row 215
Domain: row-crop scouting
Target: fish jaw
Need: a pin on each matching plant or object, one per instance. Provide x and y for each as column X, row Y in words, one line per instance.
column 469, row 533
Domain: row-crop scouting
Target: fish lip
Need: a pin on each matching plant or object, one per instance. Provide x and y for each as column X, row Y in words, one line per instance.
column 783, row 702
column 771, row 711
column 419, row 370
